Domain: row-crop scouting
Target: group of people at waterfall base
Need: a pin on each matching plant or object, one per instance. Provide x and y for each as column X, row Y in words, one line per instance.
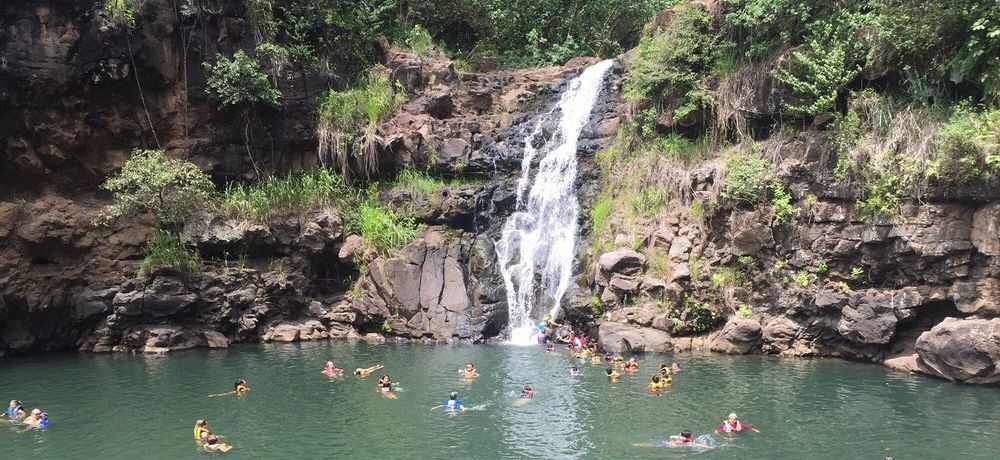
column 582, row 348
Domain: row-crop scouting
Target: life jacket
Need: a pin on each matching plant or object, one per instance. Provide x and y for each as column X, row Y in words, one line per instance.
column 42, row 423
column 527, row 394
column 198, row 430
column 12, row 411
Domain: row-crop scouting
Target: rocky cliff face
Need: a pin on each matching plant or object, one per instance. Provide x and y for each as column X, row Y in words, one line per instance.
column 917, row 291
column 82, row 90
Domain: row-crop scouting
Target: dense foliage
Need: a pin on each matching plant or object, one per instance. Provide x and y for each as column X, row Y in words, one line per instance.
column 240, row 82
column 149, row 181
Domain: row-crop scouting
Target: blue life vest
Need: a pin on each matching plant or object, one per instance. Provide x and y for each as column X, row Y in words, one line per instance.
column 453, row 404
column 12, row 411
column 43, row 424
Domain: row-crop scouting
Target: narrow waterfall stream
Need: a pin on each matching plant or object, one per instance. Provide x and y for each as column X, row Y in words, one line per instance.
column 538, row 241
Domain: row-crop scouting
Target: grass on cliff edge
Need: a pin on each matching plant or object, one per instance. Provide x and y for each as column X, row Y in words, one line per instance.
column 275, row 196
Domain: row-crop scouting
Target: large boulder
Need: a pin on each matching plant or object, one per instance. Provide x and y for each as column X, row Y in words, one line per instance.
column 779, row 335
column 164, row 296
column 980, row 297
column 869, row 318
column 624, row 262
column 740, row 336
column 962, row 350
column 623, row 338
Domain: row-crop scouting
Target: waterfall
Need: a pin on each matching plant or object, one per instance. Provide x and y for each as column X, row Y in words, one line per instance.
column 538, row 242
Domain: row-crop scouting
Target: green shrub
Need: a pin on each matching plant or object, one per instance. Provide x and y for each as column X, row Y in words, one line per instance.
column 802, row 278
column 677, row 147
column 170, row 188
column 239, row 82
column 744, row 311
column 166, row 249
column 781, row 203
column 419, row 39
column 380, row 227
column 657, row 263
column 965, row 142
column 122, row 12
column 857, row 272
column 275, row 196
column 818, row 73
column 348, row 128
column 670, row 64
column 597, row 307
column 748, row 178
column 649, row 201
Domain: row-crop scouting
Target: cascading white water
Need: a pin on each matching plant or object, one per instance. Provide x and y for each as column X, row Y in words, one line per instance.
column 539, row 238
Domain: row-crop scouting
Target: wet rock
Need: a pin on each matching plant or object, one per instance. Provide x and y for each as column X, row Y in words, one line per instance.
column 622, row 338
column 739, row 336
column 215, row 339
column 164, row 296
column 295, row 331
column 962, row 350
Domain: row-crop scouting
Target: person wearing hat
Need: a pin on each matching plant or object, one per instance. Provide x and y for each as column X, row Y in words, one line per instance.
column 734, row 425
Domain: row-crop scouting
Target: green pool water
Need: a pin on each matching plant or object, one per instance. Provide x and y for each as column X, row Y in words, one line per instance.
column 134, row 406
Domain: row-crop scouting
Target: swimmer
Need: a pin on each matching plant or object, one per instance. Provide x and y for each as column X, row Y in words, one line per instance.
column 365, row 372
column 618, row 361
column 656, row 383
column 240, row 387
column 453, row 404
column 675, row 368
column 596, row 359
column 43, row 422
column 212, row 444
column 386, row 383
column 573, row 371
column 201, row 430
column 608, row 357
column 612, row 374
column 733, row 425
column 15, row 411
column 527, row 393
column 31, row 422
column 330, row 369
column 469, row 371
column 550, row 348
column 632, row 365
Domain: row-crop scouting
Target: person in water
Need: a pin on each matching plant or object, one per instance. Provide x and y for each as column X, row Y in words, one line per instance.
column 612, row 374
column 550, row 348
column 527, row 393
column 365, row 372
column 675, row 368
column 596, row 359
column 212, row 444
column 469, row 372
column 201, row 430
column 631, row 366
column 31, row 422
column 573, row 371
column 453, row 404
column 15, row 411
column 43, row 422
column 330, row 369
column 385, row 383
column 734, row 425
column 656, row 383
column 240, row 387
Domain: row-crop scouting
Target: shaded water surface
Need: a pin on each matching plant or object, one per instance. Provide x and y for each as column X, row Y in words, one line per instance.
column 133, row 406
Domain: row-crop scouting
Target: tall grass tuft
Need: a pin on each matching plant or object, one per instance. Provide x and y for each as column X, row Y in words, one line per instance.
column 348, row 128
column 283, row 195
column 167, row 250
column 380, row 227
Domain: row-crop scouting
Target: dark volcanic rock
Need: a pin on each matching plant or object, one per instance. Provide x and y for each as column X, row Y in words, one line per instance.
column 963, row 350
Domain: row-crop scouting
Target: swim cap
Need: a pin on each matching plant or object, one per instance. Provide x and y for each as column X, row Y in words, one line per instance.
column 733, row 416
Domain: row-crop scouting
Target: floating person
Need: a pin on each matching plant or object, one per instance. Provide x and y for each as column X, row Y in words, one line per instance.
column 618, row 361
column 675, row 368
column 385, row 384
column 469, row 371
column 43, row 422
column 31, row 421
column 15, row 411
column 201, row 431
column 631, row 365
column 609, row 357
column 240, row 387
column 734, row 425
column 612, row 374
column 332, row 370
column 656, row 383
column 684, row 439
column 527, row 395
column 596, row 359
column 527, row 392
column 365, row 372
column 213, row 445
column 574, row 371
column 453, row 404
column 550, row 348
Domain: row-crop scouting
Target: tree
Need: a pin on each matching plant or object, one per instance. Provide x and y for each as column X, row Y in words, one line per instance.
column 170, row 188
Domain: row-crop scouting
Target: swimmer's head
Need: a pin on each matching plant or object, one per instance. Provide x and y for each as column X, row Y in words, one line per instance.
column 527, row 388
column 656, row 379
column 329, row 364
column 45, row 415
column 469, row 367
column 453, row 395
column 200, row 422
column 733, row 417
column 686, row 434
column 36, row 412
column 574, row 368
column 609, row 370
column 213, row 439
column 13, row 403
